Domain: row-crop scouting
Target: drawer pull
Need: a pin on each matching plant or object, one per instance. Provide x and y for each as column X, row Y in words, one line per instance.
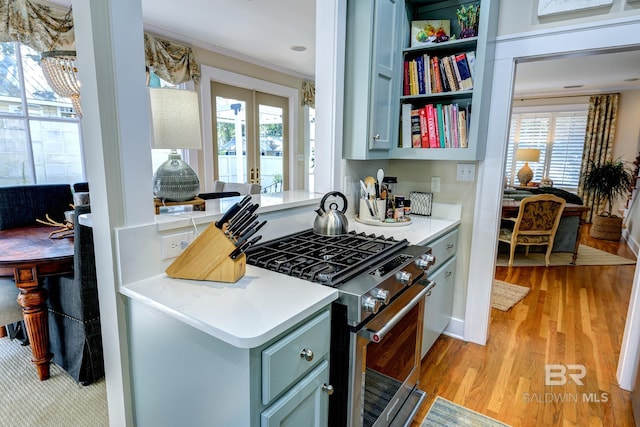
column 307, row 354
column 450, row 246
column 448, row 274
column 327, row 388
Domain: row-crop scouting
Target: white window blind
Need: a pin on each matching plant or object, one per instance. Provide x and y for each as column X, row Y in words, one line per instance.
column 559, row 135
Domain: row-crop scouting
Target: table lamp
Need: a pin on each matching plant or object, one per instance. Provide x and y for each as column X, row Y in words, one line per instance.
column 175, row 124
column 526, row 155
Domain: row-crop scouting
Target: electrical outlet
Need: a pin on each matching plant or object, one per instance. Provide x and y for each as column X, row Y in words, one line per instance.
column 466, row 172
column 435, row 184
column 174, row 244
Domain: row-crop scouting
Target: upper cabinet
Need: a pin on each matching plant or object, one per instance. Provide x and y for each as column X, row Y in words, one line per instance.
column 372, row 71
column 432, row 103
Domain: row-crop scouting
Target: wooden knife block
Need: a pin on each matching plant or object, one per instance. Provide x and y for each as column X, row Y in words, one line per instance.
column 207, row 258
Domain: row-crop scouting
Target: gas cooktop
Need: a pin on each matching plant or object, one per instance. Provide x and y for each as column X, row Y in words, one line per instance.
column 330, row 260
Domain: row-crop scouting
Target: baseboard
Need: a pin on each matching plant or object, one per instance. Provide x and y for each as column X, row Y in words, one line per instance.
column 633, row 244
column 455, row 329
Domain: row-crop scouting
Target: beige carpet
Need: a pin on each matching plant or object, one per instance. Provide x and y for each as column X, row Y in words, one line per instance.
column 25, row 401
column 505, row 295
column 586, row 256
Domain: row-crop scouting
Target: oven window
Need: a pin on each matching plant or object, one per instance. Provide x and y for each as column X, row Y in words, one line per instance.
column 389, row 363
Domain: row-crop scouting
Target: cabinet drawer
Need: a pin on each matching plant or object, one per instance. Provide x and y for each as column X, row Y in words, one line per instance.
column 443, row 249
column 294, row 355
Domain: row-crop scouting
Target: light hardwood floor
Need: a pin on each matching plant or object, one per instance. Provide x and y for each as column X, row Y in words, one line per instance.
column 572, row 315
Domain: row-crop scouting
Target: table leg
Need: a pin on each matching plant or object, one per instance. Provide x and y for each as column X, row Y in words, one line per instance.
column 578, row 237
column 32, row 299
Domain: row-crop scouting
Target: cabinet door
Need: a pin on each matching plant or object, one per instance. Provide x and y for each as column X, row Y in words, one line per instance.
column 384, row 108
column 305, row 404
column 439, row 305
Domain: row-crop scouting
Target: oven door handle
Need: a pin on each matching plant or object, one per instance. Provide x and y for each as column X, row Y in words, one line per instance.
column 377, row 336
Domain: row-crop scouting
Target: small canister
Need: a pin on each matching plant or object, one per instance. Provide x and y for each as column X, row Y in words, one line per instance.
column 398, row 213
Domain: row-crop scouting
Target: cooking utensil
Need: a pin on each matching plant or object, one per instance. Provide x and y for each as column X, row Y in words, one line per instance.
column 332, row 222
column 380, row 177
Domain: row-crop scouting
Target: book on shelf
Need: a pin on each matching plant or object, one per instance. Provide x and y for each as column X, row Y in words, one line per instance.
column 413, row 70
column 406, row 89
column 450, row 77
column 443, row 77
column 424, row 128
column 436, row 79
column 462, row 65
column 471, row 59
column 441, row 130
column 406, row 126
column 432, row 125
column 420, row 74
column 416, row 128
column 456, row 72
column 427, row 73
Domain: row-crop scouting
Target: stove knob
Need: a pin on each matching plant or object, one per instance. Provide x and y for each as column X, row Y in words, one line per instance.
column 425, row 261
column 381, row 295
column 403, row 277
column 370, row 304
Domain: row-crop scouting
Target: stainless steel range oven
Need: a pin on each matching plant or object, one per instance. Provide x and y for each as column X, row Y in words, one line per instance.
column 376, row 333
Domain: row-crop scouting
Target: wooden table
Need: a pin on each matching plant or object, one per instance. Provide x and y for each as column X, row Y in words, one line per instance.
column 510, row 210
column 28, row 254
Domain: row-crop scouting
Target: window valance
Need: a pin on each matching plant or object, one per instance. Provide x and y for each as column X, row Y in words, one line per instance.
column 42, row 27
column 309, row 94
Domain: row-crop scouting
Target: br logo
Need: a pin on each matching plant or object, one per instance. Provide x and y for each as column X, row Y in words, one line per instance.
column 556, row 374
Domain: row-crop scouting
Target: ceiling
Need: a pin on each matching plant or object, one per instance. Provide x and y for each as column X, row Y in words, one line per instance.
column 264, row 31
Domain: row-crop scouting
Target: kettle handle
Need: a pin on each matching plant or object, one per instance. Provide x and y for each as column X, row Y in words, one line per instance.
column 334, row 193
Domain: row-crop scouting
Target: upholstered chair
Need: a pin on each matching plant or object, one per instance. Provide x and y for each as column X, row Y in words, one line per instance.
column 535, row 225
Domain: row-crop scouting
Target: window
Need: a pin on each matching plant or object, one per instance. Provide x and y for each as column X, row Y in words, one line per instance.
column 40, row 139
column 559, row 135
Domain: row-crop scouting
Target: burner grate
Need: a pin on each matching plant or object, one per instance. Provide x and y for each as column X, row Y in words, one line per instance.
column 330, row 260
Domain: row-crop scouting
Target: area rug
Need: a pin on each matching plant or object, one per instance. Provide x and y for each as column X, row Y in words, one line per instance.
column 505, row 295
column 25, row 401
column 586, row 256
column 447, row 414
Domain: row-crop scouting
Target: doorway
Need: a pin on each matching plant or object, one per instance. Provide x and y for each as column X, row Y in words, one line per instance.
column 250, row 137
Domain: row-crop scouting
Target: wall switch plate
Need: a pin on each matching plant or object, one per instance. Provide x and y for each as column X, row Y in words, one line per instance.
column 174, row 244
column 435, row 184
column 466, row 172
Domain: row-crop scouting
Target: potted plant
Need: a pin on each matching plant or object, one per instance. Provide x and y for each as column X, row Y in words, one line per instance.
column 606, row 183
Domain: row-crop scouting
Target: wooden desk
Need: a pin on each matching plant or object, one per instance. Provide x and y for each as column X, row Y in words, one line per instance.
column 28, row 254
column 510, row 210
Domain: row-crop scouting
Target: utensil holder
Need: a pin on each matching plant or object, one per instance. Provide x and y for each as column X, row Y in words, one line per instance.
column 364, row 210
column 207, row 258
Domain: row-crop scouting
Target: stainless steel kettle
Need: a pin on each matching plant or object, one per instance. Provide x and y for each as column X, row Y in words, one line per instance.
column 332, row 222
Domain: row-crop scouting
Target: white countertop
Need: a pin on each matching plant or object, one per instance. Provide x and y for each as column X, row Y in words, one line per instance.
column 263, row 304
column 269, row 202
column 246, row 314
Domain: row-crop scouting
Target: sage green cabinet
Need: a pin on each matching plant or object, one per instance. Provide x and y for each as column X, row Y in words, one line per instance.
column 372, row 88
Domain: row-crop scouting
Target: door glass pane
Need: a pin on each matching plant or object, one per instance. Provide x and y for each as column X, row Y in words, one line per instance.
column 10, row 91
column 56, row 151
column 271, row 144
column 231, row 119
column 15, row 166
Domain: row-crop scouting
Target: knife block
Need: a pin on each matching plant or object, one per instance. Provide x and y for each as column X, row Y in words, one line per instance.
column 207, row 258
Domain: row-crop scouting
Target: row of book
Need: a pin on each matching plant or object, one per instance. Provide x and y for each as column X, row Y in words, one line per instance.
column 425, row 74
column 435, row 126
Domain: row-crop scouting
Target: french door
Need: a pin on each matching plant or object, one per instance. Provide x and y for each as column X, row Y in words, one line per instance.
column 250, row 137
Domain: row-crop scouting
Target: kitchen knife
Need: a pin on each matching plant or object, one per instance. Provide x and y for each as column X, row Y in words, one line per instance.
column 249, row 233
column 241, row 216
column 244, row 204
column 238, row 225
column 243, row 230
column 242, row 249
column 232, row 211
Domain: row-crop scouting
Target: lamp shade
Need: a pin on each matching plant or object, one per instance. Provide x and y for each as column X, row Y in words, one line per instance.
column 175, row 119
column 528, row 155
